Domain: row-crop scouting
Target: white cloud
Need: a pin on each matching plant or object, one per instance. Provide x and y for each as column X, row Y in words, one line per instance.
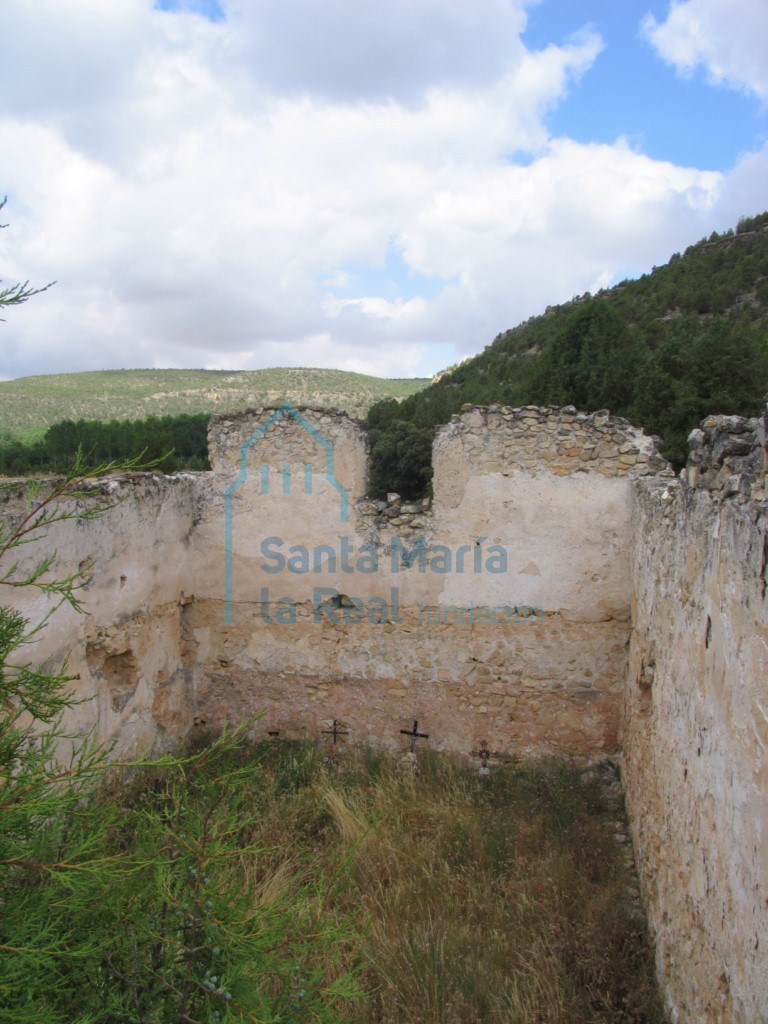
column 743, row 191
column 727, row 37
column 398, row 49
column 197, row 210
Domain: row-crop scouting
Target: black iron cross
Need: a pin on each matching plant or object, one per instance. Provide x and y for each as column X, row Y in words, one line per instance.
column 336, row 730
column 485, row 754
column 414, row 734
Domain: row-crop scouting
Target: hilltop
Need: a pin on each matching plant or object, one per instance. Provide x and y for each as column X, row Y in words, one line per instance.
column 30, row 404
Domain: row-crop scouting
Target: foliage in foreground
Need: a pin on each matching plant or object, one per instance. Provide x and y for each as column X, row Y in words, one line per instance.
column 269, row 883
column 141, row 902
column 153, row 902
column 19, row 293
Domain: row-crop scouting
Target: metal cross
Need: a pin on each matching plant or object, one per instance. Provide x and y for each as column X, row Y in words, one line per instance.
column 414, row 734
column 485, row 754
column 336, row 730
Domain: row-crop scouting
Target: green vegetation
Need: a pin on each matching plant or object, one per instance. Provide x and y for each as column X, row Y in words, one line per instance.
column 269, row 883
column 38, row 402
column 497, row 899
column 139, row 893
column 684, row 341
column 401, row 460
column 687, row 340
column 169, row 442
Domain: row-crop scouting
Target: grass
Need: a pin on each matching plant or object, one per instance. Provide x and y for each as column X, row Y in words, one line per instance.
column 29, row 404
column 500, row 900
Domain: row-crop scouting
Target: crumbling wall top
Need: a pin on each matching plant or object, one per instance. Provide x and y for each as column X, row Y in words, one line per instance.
column 329, row 441
column 497, row 438
column 729, row 456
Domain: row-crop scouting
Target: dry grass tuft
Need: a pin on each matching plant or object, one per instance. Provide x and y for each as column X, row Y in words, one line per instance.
column 500, row 900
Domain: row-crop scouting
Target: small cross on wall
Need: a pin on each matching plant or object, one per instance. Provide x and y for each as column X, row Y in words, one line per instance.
column 414, row 734
column 336, row 731
column 485, row 754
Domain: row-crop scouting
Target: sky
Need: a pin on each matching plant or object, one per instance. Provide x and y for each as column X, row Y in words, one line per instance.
column 373, row 186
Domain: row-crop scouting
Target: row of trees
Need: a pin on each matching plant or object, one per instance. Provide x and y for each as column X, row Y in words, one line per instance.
column 171, row 442
column 593, row 360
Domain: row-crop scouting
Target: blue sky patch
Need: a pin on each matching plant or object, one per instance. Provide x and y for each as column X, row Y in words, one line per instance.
column 629, row 91
column 392, row 280
column 210, row 9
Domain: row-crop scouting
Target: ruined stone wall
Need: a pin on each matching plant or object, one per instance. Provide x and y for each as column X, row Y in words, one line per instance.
column 560, row 580
column 498, row 612
column 563, row 441
column 127, row 649
column 695, row 730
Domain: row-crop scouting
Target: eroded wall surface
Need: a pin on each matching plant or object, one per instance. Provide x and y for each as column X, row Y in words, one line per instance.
column 127, row 647
column 695, row 732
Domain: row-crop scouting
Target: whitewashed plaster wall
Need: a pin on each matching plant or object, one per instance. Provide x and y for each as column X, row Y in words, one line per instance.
column 695, row 729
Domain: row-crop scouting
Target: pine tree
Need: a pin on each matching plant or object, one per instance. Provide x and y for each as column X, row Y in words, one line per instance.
column 41, row 789
column 16, row 294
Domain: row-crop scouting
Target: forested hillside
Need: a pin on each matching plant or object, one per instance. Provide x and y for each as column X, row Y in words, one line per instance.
column 688, row 339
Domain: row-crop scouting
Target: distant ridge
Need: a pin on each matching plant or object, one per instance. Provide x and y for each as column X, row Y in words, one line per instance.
column 30, row 404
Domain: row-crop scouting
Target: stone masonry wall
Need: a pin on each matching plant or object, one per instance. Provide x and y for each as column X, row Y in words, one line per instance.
column 560, row 440
column 695, row 729
column 498, row 612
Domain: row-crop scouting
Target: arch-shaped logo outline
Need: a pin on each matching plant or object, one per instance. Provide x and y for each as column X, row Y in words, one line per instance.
column 285, row 409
